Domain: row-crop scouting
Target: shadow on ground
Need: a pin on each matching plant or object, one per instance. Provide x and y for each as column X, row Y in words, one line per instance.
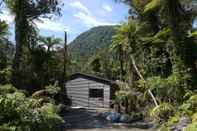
column 83, row 120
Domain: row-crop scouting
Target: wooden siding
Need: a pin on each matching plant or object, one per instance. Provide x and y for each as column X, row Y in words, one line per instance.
column 78, row 92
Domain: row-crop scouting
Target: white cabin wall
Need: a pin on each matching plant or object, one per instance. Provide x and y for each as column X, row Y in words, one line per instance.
column 78, row 92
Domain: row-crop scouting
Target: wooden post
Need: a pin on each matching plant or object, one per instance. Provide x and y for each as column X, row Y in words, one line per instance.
column 64, row 76
column 65, row 61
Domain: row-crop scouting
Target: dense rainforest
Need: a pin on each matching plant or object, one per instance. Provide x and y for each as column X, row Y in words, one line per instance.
column 152, row 57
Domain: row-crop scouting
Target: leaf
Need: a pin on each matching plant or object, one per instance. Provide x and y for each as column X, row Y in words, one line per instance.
column 193, row 34
column 153, row 5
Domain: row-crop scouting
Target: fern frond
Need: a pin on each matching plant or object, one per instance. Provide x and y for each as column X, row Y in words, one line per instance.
column 153, row 5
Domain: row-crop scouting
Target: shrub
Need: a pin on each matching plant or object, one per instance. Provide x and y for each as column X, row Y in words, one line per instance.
column 21, row 113
column 127, row 97
column 162, row 112
column 49, row 91
column 7, row 89
column 5, row 76
column 166, row 89
column 191, row 127
column 194, row 117
column 189, row 107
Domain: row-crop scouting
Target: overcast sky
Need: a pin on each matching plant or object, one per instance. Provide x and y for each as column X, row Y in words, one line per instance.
column 77, row 17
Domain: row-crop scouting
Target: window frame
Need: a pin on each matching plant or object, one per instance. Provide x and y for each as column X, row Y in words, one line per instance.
column 96, row 93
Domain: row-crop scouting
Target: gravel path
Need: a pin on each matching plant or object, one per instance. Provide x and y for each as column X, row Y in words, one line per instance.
column 87, row 120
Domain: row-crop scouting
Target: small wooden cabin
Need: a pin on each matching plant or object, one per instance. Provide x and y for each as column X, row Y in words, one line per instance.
column 90, row 91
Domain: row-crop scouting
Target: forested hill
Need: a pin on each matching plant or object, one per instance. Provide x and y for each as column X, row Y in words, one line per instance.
column 91, row 41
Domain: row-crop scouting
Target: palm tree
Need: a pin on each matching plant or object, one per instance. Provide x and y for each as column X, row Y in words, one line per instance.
column 50, row 42
column 127, row 38
column 119, row 45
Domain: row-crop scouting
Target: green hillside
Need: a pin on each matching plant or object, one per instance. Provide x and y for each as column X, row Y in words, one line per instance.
column 91, row 41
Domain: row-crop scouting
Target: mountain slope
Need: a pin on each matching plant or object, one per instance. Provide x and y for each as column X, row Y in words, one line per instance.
column 91, row 41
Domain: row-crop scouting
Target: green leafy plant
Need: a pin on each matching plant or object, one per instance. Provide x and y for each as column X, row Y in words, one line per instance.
column 189, row 107
column 5, row 76
column 21, row 113
column 191, row 127
column 7, row 89
column 162, row 112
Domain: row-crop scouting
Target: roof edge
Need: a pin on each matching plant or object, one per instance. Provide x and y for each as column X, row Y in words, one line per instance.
column 92, row 77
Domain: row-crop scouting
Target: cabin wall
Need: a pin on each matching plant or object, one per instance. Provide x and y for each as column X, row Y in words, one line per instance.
column 78, row 92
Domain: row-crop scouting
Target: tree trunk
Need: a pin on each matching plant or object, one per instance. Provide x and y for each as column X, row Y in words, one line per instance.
column 146, row 85
column 20, row 37
column 121, row 63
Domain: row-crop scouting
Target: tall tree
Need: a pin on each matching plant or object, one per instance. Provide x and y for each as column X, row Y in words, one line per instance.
column 26, row 12
column 119, row 45
column 128, row 37
column 179, row 17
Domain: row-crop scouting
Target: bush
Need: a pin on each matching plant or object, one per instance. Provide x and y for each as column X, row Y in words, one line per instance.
column 166, row 89
column 21, row 113
column 189, row 107
column 191, row 127
column 5, row 76
column 4, row 89
column 127, row 97
column 194, row 117
column 49, row 91
column 162, row 112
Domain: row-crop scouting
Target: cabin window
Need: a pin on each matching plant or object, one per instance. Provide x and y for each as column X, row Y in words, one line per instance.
column 96, row 93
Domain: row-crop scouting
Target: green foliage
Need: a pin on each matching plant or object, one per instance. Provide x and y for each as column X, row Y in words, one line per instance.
column 4, row 89
column 162, row 112
column 124, row 93
column 189, row 107
column 194, row 117
column 50, row 42
column 6, row 51
column 21, row 113
column 127, row 97
column 88, row 44
column 47, row 94
column 95, row 64
column 47, row 66
column 4, row 30
column 193, row 34
column 154, row 4
column 166, row 89
column 191, row 127
column 26, row 12
column 53, row 89
column 5, row 76
column 173, row 119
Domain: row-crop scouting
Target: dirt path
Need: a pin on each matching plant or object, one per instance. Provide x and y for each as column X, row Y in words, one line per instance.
column 87, row 120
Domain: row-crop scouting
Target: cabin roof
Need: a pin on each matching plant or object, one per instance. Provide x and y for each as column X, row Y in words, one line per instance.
column 93, row 78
